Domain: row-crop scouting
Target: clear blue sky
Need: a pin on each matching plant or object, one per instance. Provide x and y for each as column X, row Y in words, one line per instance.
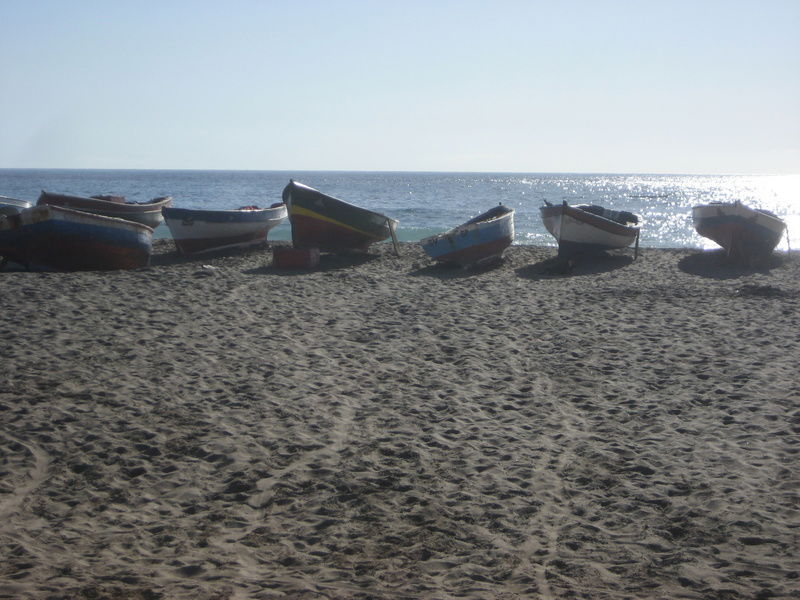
column 656, row 86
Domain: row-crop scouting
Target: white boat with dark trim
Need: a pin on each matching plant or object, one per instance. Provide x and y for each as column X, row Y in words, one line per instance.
column 746, row 234
column 588, row 228
column 108, row 205
column 197, row 231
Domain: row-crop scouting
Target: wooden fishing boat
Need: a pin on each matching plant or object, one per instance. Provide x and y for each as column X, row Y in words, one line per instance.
column 51, row 237
column 12, row 206
column 746, row 234
column 147, row 213
column 588, row 228
column 198, row 231
column 479, row 240
column 332, row 225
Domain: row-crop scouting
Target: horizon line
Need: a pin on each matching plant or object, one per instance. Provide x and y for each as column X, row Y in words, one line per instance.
column 415, row 171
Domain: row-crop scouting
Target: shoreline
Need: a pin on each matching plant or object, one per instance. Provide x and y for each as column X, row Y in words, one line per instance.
column 381, row 427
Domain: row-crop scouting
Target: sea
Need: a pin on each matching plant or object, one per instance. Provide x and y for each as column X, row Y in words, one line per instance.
column 427, row 203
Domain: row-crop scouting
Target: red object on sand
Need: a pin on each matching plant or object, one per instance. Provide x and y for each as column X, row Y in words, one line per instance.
column 295, row 258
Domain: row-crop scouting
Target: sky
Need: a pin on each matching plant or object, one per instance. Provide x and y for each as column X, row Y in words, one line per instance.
column 594, row 86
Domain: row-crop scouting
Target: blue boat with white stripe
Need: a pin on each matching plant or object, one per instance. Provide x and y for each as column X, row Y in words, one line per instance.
column 480, row 240
column 51, row 237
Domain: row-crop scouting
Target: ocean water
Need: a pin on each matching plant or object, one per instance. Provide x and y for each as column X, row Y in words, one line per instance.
column 429, row 203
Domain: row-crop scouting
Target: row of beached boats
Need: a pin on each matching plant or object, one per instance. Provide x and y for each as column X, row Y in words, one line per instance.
column 106, row 232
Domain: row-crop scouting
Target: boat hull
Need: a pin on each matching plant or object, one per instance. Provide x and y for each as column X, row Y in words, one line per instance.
column 744, row 233
column 146, row 213
column 332, row 225
column 580, row 232
column 200, row 231
column 12, row 206
column 480, row 240
column 51, row 237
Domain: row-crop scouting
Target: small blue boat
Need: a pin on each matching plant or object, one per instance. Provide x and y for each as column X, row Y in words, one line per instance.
column 478, row 241
column 51, row 237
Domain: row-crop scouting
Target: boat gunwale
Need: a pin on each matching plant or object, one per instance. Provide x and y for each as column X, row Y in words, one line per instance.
column 755, row 213
column 603, row 223
column 88, row 216
column 303, row 186
column 8, row 200
column 467, row 227
column 224, row 210
column 154, row 205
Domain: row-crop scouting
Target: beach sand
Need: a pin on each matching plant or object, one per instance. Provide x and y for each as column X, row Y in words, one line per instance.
column 384, row 428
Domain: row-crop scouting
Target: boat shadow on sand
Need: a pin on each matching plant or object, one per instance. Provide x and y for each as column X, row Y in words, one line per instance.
column 594, row 264
column 166, row 256
column 714, row 264
column 453, row 271
column 327, row 263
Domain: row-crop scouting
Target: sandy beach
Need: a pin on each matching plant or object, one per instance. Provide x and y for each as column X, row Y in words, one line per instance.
column 383, row 428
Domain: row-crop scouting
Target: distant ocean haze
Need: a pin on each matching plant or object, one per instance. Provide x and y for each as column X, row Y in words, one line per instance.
column 429, row 203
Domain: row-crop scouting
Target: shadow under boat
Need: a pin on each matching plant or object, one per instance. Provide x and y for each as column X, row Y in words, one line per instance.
column 328, row 262
column 164, row 255
column 445, row 270
column 581, row 265
column 715, row 264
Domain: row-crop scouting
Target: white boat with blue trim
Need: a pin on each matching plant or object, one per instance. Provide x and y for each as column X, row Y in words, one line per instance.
column 197, row 231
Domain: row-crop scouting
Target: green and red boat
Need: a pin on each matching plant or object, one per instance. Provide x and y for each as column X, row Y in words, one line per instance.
column 332, row 225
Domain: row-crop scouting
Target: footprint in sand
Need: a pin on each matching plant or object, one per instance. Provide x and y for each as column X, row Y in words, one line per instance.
column 27, row 464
